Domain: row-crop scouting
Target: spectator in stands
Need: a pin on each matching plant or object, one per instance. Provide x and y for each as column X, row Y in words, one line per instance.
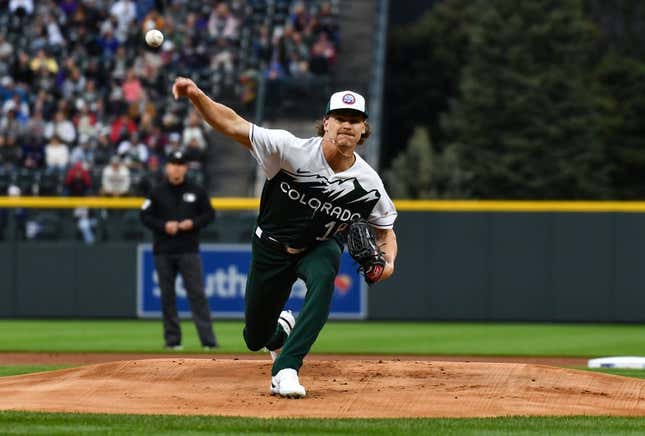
column 21, row 7
column 174, row 143
column 36, row 127
column 37, row 34
column 195, row 155
column 92, row 13
column 275, row 71
column 152, row 177
column 74, row 83
column 146, row 66
column 115, row 102
column 45, row 80
column 133, row 152
column 98, row 73
column 84, row 120
column 300, row 19
column 291, row 43
column 171, row 122
column 69, row 7
column 77, row 180
column 33, row 153
column 323, row 55
column 326, row 21
column 263, row 46
column 155, row 140
column 115, row 181
column 6, row 49
column 186, row 29
column 68, row 66
column 61, row 127
column 298, row 67
column 249, row 82
column 132, row 89
column 122, row 128
column 7, row 89
column 54, row 36
column 193, row 55
column 146, row 111
column 43, row 60
column 222, row 59
column 153, row 20
column 91, row 94
column 21, row 69
column 194, row 131
column 56, row 154
column 108, row 43
column 19, row 107
column 103, row 150
column 10, row 152
column 144, row 6
column 222, row 23
column 46, row 105
column 13, row 120
column 125, row 12
column 83, row 152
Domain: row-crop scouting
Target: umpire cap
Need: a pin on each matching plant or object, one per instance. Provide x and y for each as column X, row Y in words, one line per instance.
column 176, row 157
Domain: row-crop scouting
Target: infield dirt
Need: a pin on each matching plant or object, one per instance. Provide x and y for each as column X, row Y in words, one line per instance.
column 336, row 389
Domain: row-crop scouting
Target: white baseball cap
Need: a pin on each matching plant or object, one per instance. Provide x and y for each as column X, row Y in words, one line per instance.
column 346, row 100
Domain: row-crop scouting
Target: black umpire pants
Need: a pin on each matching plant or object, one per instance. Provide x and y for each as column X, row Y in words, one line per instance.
column 189, row 265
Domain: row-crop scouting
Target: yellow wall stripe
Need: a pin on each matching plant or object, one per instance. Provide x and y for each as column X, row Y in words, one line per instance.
column 519, row 206
column 113, row 203
column 232, row 203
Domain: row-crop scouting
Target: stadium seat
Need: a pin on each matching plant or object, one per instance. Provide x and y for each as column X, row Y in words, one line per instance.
column 96, row 177
column 50, row 183
column 26, row 180
column 282, row 7
column 6, row 180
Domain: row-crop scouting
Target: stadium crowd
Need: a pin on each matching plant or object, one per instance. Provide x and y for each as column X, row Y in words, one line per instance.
column 85, row 106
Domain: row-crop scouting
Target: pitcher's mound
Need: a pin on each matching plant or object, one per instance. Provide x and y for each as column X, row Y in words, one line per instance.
column 335, row 389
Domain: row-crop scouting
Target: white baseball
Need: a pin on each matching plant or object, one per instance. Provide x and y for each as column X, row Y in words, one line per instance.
column 154, row 38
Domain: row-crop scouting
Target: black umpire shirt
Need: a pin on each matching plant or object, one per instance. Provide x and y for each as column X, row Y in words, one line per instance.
column 168, row 202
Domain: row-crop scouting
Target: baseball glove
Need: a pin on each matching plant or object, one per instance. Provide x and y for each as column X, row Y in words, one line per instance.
column 361, row 244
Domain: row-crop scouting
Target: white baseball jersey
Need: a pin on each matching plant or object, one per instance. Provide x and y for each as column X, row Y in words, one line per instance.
column 303, row 200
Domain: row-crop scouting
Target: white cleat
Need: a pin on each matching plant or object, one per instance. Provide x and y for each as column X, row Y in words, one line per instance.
column 287, row 321
column 286, row 384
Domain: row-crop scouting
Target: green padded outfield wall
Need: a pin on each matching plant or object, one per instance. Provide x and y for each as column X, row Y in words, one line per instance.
column 68, row 279
column 514, row 266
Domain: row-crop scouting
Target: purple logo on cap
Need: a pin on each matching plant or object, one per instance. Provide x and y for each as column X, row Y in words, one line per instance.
column 349, row 99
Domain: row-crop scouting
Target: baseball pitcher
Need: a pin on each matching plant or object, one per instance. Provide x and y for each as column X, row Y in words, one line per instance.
column 319, row 194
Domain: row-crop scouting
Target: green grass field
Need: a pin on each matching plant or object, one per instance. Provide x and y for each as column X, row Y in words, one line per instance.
column 574, row 340
column 583, row 340
column 72, row 424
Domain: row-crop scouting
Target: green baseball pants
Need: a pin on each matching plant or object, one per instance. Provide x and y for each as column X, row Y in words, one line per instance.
column 268, row 286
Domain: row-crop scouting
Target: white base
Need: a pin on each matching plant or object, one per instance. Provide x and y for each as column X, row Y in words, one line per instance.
column 631, row 362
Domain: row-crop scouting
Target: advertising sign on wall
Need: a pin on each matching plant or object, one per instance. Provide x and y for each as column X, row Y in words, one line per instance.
column 225, row 271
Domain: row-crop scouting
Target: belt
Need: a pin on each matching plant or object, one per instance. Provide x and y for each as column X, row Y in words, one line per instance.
column 275, row 244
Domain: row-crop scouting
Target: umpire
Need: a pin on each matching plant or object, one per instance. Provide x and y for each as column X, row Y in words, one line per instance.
column 175, row 211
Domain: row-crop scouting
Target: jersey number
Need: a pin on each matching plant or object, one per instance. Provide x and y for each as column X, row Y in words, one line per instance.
column 330, row 230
